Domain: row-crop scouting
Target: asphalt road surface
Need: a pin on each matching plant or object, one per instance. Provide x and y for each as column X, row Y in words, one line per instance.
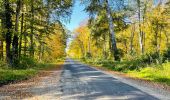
column 80, row 82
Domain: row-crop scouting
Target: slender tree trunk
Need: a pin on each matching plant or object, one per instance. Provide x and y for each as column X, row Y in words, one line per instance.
column 20, row 42
column 131, row 38
column 32, row 30
column 82, row 48
column 126, row 47
column 2, row 41
column 104, row 48
column 144, row 33
column 8, row 26
column 40, row 52
column 15, row 38
column 156, row 38
column 111, row 28
column 1, row 49
column 110, row 46
column 167, row 39
column 140, row 29
column 89, row 44
column 41, row 55
column 25, row 39
column 160, row 39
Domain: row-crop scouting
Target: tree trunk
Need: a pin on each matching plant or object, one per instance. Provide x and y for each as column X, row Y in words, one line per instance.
column 160, row 40
column 2, row 41
column 89, row 44
column 126, row 47
column 111, row 28
column 20, row 42
column 104, row 48
column 131, row 39
column 82, row 48
column 25, row 39
column 156, row 38
column 140, row 30
column 8, row 27
column 167, row 39
column 15, row 38
column 32, row 29
column 1, row 50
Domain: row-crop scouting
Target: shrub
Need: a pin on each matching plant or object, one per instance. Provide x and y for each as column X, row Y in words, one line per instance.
column 152, row 58
column 88, row 55
column 3, row 64
column 166, row 55
column 26, row 62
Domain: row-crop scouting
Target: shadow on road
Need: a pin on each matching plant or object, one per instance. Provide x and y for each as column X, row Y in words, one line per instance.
column 81, row 82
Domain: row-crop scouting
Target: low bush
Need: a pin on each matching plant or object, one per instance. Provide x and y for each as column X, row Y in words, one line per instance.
column 26, row 62
column 3, row 64
column 10, row 75
column 166, row 55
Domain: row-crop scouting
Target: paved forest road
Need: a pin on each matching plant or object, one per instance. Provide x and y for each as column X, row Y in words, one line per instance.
column 77, row 81
column 80, row 82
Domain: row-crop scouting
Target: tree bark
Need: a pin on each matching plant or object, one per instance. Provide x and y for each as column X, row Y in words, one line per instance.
column 104, row 47
column 25, row 39
column 167, row 39
column 131, row 38
column 1, row 50
column 8, row 27
column 140, row 30
column 15, row 38
column 2, row 40
column 111, row 29
column 32, row 29
column 20, row 42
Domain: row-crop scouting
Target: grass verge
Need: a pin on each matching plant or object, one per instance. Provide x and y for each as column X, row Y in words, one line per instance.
column 9, row 75
column 152, row 72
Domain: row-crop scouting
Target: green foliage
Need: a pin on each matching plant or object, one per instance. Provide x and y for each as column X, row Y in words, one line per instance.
column 29, row 30
column 26, row 62
column 10, row 75
column 132, row 64
column 88, row 55
column 154, row 73
column 151, row 58
column 137, row 68
column 167, row 55
column 3, row 64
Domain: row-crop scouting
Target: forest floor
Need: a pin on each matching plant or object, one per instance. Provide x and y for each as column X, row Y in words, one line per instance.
column 35, row 88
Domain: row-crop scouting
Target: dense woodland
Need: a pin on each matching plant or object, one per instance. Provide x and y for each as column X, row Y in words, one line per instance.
column 124, row 30
column 33, row 29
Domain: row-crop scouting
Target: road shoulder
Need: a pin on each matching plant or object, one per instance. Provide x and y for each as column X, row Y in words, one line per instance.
column 27, row 89
column 156, row 89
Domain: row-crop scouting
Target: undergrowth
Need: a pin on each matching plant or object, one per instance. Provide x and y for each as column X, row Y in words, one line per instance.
column 153, row 66
column 28, row 68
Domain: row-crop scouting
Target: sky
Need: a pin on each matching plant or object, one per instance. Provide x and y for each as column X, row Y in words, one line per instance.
column 78, row 15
